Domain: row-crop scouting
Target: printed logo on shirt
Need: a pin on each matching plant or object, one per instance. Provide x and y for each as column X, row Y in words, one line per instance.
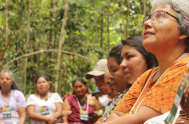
column 6, row 112
column 44, row 110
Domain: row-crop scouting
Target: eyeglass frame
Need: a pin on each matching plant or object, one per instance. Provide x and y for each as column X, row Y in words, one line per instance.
column 149, row 16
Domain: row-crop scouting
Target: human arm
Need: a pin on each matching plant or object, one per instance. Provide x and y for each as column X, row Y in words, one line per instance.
column 38, row 117
column 66, row 107
column 137, row 118
column 58, row 103
column 115, row 114
column 22, row 114
column 97, row 108
column 31, row 104
column 58, row 112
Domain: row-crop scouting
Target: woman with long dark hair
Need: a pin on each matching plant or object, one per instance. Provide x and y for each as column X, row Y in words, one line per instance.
column 81, row 103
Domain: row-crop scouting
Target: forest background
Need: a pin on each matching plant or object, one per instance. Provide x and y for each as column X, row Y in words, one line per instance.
column 63, row 39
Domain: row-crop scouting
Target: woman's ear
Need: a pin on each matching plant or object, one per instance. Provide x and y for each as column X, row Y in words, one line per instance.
column 49, row 85
column 181, row 37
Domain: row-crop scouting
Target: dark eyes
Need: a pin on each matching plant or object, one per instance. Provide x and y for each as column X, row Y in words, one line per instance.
column 114, row 71
column 129, row 56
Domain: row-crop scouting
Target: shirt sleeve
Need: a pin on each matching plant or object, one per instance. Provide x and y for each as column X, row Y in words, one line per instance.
column 129, row 99
column 57, row 98
column 20, row 99
column 31, row 100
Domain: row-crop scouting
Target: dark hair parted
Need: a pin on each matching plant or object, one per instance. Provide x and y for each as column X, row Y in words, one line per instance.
column 136, row 42
column 40, row 77
column 115, row 53
column 45, row 79
column 82, row 81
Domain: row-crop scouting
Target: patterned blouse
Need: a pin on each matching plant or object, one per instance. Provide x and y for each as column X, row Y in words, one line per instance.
column 113, row 104
column 159, row 96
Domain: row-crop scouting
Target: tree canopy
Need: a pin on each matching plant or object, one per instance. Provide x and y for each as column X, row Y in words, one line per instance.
column 79, row 34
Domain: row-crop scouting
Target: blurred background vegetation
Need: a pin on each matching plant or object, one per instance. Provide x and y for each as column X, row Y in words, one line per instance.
column 83, row 30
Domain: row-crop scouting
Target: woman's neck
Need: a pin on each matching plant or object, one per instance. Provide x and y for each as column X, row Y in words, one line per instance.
column 6, row 93
column 43, row 95
column 81, row 98
column 165, row 63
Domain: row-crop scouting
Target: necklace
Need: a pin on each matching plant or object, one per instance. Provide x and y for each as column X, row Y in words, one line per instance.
column 82, row 103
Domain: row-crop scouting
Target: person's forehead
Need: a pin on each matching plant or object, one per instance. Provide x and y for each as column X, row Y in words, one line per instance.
column 5, row 74
column 166, row 8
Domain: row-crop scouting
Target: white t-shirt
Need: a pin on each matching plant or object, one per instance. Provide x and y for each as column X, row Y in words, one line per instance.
column 33, row 100
column 160, row 119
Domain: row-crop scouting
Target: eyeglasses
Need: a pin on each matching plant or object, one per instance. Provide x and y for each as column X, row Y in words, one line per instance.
column 158, row 16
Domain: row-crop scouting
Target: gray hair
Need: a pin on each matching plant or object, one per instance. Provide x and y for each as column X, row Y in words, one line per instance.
column 14, row 86
column 181, row 7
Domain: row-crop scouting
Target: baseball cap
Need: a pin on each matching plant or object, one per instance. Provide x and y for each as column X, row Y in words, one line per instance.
column 98, row 70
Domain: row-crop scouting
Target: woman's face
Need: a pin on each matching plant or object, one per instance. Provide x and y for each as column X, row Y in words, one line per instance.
column 79, row 89
column 42, row 85
column 6, row 81
column 133, row 63
column 161, row 35
column 118, row 83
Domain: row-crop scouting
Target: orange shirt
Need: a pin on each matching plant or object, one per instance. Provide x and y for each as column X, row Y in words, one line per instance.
column 160, row 96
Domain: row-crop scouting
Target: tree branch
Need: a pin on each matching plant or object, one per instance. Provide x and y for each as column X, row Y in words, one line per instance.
column 43, row 51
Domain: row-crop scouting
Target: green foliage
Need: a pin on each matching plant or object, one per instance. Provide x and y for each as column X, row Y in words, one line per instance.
column 85, row 34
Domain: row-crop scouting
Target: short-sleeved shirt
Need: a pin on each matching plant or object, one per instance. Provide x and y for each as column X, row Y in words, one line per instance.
column 17, row 99
column 159, row 96
column 50, row 103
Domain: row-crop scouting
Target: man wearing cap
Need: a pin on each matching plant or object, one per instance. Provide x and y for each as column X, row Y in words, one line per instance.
column 98, row 74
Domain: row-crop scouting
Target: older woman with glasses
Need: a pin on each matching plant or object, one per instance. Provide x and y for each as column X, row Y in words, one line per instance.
column 166, row 35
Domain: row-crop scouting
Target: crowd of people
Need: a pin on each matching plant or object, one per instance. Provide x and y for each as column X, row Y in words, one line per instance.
column 143, row 80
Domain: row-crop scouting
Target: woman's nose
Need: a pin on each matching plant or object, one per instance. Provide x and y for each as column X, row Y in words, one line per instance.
column 123, row 64
column 147, row 23
column 111, row 76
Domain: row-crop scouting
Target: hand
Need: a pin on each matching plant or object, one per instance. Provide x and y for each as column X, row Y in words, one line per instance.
column 99, row 121
column 51, row 120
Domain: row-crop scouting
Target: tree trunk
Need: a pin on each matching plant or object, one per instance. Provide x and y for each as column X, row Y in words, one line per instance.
column 144, row 11
column 108, row 31
column 61, row 42
column 28, row 37
column 128, row 15
column 6, row 22
column 101, row 36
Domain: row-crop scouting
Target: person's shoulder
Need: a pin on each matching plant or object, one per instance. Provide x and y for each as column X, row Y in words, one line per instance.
column 183, row 61
column 92, row 98
column 149, row 72
column 32, row 96
column 55, row 95
column 16, row 92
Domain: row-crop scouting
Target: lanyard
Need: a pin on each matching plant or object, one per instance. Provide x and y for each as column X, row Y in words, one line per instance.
column 1, row 97
column 154, row 84
column 143, row 91
column 47, row 96
column 182, row 84
column 80, row 105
